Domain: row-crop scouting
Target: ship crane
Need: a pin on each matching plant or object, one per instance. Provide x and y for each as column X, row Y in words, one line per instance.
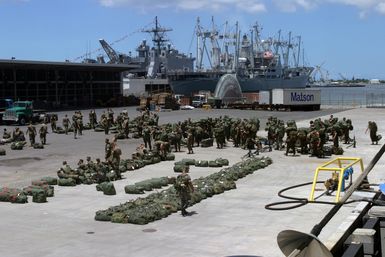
column 111, row 53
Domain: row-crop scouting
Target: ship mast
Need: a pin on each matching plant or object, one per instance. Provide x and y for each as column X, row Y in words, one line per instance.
column 158, row 34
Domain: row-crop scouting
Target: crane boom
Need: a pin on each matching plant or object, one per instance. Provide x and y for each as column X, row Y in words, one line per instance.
column 111, row 53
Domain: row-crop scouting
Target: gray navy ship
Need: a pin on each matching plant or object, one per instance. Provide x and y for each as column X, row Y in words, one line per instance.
column 237, row 64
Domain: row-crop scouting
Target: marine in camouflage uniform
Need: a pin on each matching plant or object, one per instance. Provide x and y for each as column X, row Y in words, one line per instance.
column 372, row 127
column 190, row 142
column 43, row 133
column 314, row 141
column 291, row 141
column 184, row 188
column 220, row 136
column 31, row 131
column 53, row 123
column 66, row 124
column 126, row 127
column 75, row 125
column 302, row 137
column 107, row 149
column 280, row 133
column 147, row 137
column 93, row 119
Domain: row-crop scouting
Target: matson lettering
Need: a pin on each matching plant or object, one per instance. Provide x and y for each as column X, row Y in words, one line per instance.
column 301, row 97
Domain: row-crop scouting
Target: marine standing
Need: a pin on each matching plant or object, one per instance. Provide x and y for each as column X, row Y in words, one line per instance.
column 66, row 124
column 184, row 187
column 31, row 131
column 372, row 127
column 43, row 133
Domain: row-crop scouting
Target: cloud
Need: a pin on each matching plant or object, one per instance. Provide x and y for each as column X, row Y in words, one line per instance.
column 294, row 5
column 251, row 6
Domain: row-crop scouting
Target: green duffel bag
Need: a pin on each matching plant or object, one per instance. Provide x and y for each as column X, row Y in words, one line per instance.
column 132, row 189
column 39, row 196
column 228, row 184
column 144, row 185
column 208, row 142
column 66, row 182
column 223, row 162
column 147, row 162
column 119, row 217
column 170, row 157
column 103, row 215
column 120, row 136
column 49, row 180
column 38, row 146
column 39, row 182
column 107, row 188
column 2, row 151
column 179, row 168
column 201, row 163
column 165, row 181
column 17, row 146
column 139, row 164
column 188, row 161
column 155, row 183
column 214, row 164
column 19, row 198
column 156, row 159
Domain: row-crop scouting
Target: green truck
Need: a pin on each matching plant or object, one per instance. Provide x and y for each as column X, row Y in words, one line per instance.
column 21, row 113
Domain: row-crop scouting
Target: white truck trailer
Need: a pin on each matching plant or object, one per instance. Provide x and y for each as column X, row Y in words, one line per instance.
column 293, row 99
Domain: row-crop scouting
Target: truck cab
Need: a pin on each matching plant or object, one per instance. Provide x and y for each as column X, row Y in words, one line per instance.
column 21, row 112
column 199, row 100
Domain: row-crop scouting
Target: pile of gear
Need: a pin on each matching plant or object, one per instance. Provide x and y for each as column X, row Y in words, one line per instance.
column 149, row 185
column 160, row 205
column 217, row 163
column 39, row 190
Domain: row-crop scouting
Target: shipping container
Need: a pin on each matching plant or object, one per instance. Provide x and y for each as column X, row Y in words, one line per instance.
column 296, row 99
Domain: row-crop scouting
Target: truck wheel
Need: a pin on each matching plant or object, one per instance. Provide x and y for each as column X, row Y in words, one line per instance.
column 22, row 121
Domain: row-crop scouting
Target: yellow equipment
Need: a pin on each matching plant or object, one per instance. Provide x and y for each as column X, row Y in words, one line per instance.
column 337, row 166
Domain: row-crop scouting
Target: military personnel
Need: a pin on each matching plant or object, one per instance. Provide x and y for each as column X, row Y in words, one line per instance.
column 302, row 137
column 126, row 127
column 220, row 137
column 43, row 133
column 190, row 142
column 110, row 116
column 115, row 162
column 185, row 188
column 291, row 141
column 147, row 137
column 66, row 124
column 280, row 133
column 75, row 124
column 53, row 123
column 107, row 149
column 250, row 144
column 372, row 127
column 65, row 171
column 79, row 117
column 93, row 119
column 18, row 135
column 31, row 131
column 335, row 138
column 6, row 134
column 105, row 124
column 314, row 141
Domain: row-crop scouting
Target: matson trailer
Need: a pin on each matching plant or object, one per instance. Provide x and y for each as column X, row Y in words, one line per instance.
column 296, row 99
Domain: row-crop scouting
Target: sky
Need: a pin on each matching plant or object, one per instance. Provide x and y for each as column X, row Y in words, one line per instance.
column 346, row 38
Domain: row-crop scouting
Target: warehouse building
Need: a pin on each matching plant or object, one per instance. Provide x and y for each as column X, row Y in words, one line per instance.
column 61, row 84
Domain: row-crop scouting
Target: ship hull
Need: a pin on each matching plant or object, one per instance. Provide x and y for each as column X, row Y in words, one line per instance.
column 188, row 87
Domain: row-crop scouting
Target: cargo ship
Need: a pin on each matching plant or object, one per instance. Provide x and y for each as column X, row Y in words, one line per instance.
column 253, row 64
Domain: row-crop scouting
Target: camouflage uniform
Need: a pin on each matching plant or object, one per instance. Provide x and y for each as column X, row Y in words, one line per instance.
column 291, row 141
column 147, row 137
column 43, row 133
column 31, row 131
column 190, row 142
column 372, row 126
column 66, row 123
column 184, row 187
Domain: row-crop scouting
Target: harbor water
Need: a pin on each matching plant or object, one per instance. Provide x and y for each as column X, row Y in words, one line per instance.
column 347, row 97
